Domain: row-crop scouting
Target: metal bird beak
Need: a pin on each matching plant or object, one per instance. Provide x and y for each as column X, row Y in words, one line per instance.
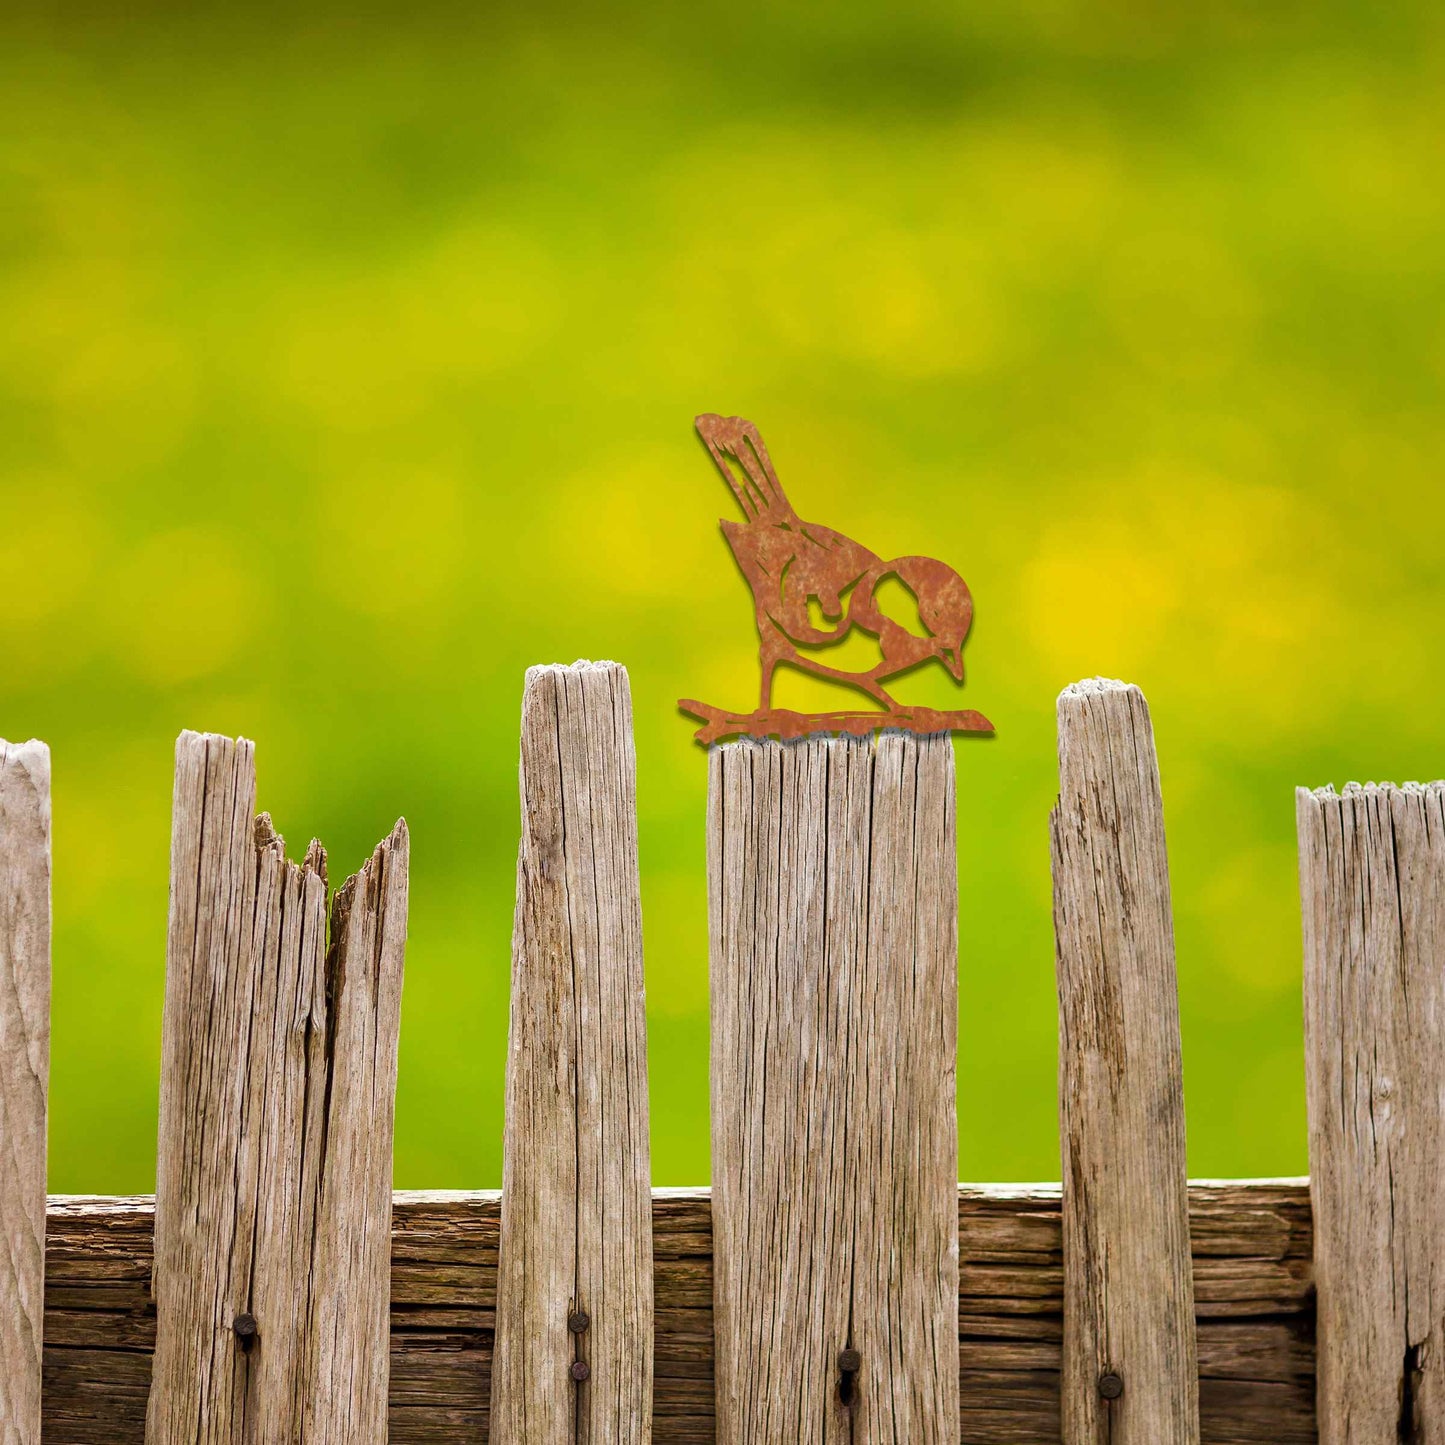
column 953, row 661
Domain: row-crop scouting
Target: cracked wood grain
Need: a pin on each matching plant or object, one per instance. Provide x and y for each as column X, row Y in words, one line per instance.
column 576, row 1216
column 278, row 1075
column 1372, row 886
column 24, row 1075
column 1128, row 1293
column 833, row 898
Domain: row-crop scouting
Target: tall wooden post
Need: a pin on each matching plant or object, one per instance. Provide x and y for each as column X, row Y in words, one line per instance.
column 1372, row 882
column 574, row 1281
column 833, row 896
column 1130, row 1375
column 24, row 1075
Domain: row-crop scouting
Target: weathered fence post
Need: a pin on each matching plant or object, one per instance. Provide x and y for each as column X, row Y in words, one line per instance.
column 833, row 893
column 278, row 1074
column 574, row 1352
column 1129, row 1366
column 1372, row 884
column 24, row 1073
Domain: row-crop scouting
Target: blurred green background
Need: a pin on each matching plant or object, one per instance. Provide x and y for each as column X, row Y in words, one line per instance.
column 348, row 367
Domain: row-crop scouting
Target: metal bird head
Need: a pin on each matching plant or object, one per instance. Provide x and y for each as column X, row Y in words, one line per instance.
column 945, row 606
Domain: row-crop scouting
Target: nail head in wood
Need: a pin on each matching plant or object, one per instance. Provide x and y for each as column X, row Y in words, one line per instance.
column 850, row 1362
column 578, row 1322
column 246, row 1330
column 580, row 1370
column 1111, row 1386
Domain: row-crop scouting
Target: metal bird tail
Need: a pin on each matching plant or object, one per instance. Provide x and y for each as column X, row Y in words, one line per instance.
column 737, row 448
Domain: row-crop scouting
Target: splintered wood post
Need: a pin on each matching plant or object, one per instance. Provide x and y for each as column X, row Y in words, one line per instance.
column 349, row 1322
column 24, row 1072
column 833, row 897
column 1129, row 1362
column 278, row 1071
column 574, row 1360
column 1372, row 885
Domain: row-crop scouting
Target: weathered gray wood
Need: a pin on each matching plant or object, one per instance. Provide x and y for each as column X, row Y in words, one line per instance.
column 347, row 1370
column 274, row 1163
column 576, row 1225
column 1128, row 1295
column 1251, row 1264
column 24, row 1072
column 1372, row 883
column 834, row 1003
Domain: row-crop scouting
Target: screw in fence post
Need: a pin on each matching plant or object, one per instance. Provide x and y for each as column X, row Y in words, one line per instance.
column 1111, row 1386
column 849, row 1363
column 246, row 1330
column 580, row 1370
column 579, row 1322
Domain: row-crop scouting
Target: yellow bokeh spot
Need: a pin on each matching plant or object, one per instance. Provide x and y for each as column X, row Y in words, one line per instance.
column 396, row 540
column 377, row 349
column 180, row 605
column 48, row 547
column 641, row 525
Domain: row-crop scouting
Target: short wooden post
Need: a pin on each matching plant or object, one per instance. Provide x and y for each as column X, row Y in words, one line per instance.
column 24, row 1072
column 278, row 1071
column 574, row 1351
column 1372, row 884
column 833, row 890
column 1129, row 1364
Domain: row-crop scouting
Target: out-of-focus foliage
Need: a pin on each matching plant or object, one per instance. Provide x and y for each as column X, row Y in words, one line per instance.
column 348, row 368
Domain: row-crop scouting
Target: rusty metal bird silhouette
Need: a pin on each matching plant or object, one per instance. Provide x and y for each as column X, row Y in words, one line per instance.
column 811, row 588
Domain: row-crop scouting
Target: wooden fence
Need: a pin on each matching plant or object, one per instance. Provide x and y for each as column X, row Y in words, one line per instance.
column 837, row 1285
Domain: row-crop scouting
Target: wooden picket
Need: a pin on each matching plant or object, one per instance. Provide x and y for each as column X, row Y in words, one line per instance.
column 834, row 898
column 278, row 1072
column 1372, row 882
column 24, row 1078
column 1130, row 1362
column 574, row 1292
column 838, row 1285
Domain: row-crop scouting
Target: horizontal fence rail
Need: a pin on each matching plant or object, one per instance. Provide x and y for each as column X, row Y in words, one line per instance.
column 1252, row 1280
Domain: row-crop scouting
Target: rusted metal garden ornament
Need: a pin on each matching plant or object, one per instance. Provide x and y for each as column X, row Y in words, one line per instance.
column 791, row 565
